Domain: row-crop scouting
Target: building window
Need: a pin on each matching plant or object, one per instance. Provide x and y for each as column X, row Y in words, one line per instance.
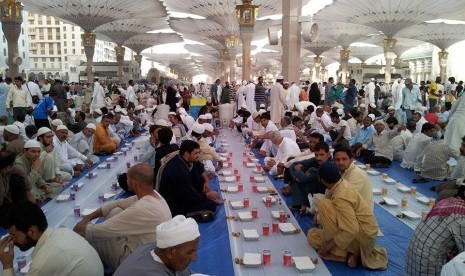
column 66, row 51
column 72, row 36
column 74, row 51
column 4, row 51
column 24, row 55
column 23, row 42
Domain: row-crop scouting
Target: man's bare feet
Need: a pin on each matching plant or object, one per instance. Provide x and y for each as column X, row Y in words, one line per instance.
column 352, row 260
column 332, row 257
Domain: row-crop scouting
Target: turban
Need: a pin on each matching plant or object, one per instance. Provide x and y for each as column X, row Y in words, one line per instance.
column 176, row 231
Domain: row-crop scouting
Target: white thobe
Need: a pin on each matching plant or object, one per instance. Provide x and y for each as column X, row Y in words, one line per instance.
column 250, row 97
column 318, row 127
column 397, row 96
column 415, row 151
column 292, row 96
column 285, row 149
column 84, row 145
column 370, row 93
column 455, row 129
column 278, row 102
column 400, row 143
column 131, row 94
column 69, row 156
column 240, row 96
column 420, row 124
column 98, row 96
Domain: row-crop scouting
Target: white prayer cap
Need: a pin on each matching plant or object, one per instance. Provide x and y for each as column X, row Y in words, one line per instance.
column 91, row 126
column 57, row 122
column 372, row 116
column 124, row 111
column 244, row 82
column 269, row 108
column 379, row 122
column 198, row 128
column 99, row 112
column 372, row 79
column 362, row 105
column 12, row 129
column 262, row 105
column 172, row 113
column 208, row 127
column 372, row 105
column 279, row 77
column 391, row 108
column 42, row 131
column 31, row 144
column 61, row 127
column 340, row 112
column 176, row 231
column 117, row 109
column 161, row 122
column 244, row 106
column 209, row 116
column 139, row 107
column 203, row 117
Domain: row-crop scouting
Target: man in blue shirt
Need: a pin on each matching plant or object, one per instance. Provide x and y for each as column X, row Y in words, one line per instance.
column 364, row 134
column 42, row 111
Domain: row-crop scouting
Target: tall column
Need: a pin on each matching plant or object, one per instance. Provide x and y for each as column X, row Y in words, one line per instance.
column 317, row 61
column 88, row 41
column 398, row 62
column 120, row 50
column 344, row 53
column 389, row 55
column 138, row 58
column 442, row 56
column 246, row 38
column 232, row 61
column 11, row 17
column 291, row 39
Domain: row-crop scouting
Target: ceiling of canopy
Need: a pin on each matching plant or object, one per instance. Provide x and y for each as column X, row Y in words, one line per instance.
column 203, row 25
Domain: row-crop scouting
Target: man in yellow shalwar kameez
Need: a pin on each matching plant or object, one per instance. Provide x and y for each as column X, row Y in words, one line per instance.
column 349, row 228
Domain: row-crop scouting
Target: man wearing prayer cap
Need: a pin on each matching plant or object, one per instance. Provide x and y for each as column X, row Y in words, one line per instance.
column 103, row 142
column 129, row 223
column 55, row 124
column 83, row 142
column 72, row 161
column 29, row 161
column 14, row 142
column 51, row 163
column 208, row 153
column 349, row 227
column 175, row 247
column 391, row 112
column 194, row 134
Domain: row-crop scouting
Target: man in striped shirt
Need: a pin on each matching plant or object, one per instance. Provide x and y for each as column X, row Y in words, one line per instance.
column 260, row 90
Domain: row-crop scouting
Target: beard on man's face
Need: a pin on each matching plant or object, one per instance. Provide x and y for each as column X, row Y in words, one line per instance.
column 27, row 244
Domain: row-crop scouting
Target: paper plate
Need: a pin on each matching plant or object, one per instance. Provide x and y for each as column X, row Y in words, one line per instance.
column 237, row 205
column 108, row 195
column 62, row 198
column 232, row 189
column 118, row 153
column 102, row 166
column 250, row 234
column 273, row 200
column 254, row 159
column 110, row 159
column 250, row 165
column 390, row 201
column 403, row 189
column 259, row 179
column 87, row 211
column 262, row 189
column 411, row 215
column 224, row 154
column 275, row 214
column 230, row 179
column 303, row 264
column 252, row 259
column 372, row 172
column 245, row 216
column 227, row 173
column 376, row 191
column 286, row 228
column 389, row 181
column 423, row 199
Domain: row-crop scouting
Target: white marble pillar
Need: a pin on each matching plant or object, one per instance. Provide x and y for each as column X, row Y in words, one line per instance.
column 291, row 40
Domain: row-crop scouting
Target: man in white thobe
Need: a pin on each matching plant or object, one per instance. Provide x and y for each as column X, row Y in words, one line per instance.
column 397, row 94
column 84, row 142
column 71, row 159
column 278, row 102
column 98, row 97
column 415, row 151
column 286, row 147
column 250, row 97
column 370, row 92
column 130, row 93
column 292, row 96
